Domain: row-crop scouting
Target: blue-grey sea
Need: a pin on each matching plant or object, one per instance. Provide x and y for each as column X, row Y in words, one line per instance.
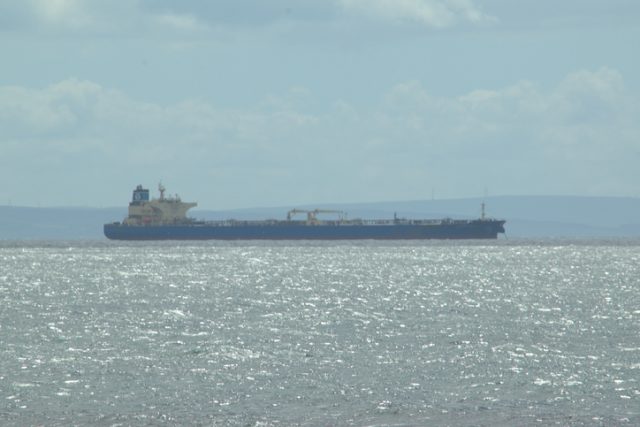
column 497, row 333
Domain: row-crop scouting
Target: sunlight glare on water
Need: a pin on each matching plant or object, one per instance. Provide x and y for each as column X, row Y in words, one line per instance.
column 504, row 333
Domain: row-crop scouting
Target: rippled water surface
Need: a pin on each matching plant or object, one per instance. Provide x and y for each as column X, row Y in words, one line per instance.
column 434, row 333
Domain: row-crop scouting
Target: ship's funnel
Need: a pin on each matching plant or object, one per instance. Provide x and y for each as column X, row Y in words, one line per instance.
column 140, row 194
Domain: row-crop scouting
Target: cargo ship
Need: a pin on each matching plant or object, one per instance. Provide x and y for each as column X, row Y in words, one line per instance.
column 165, row 218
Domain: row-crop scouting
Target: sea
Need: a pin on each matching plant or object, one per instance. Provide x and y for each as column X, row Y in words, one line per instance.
column 427, row 333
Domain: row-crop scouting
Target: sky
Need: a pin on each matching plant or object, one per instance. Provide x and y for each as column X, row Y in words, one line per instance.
column 255, row 103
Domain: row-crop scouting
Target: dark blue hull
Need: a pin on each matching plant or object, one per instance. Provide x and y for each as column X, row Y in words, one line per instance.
column 476, row 229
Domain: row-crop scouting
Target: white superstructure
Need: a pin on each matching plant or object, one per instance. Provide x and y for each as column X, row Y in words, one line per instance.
column 164, row 210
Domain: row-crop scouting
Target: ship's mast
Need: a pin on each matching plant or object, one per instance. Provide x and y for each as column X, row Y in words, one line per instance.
column 162, row 190
column 483, row 214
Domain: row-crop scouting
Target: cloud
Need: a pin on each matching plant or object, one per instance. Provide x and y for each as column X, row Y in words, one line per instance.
column 574, row 132
column 71, row 16
column 135, row 17
column 180, row 22
column 580, row 94
column 430, row 13
column 70, row 13
column 149, row 17
column 97, row 18
column 586, row 96
column 517, row 139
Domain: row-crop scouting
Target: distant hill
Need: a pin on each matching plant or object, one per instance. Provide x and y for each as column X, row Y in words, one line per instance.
column 527, row 216
column 25, row 223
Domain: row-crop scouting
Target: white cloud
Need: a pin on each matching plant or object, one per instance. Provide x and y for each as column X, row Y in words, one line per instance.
column 586, row 96
column 135, row 17
column 430, row 13
column 517, row 139
column 67, row 13
column 180, row 22
column 96, row 17
column 87, row 17
column 573, row 136
column 471, row 13
column 55, row 109
column 581, row 95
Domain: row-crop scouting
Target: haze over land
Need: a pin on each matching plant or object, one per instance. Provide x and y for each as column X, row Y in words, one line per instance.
column 251, row 103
